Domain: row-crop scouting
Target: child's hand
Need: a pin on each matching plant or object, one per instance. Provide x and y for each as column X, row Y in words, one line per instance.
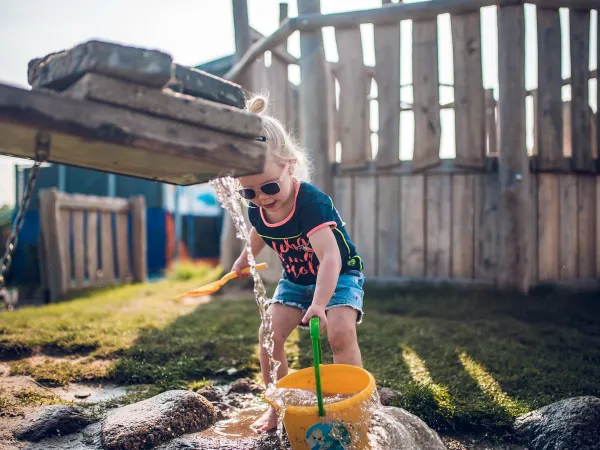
column 316, row 311
column 239, row 265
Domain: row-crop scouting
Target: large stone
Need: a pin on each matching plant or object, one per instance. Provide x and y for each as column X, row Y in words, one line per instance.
column 59, row 70
column 204, row 85
column 573, row 423
column 245, row 386
column 396, row 429
column 53, row 420
column 156, row 420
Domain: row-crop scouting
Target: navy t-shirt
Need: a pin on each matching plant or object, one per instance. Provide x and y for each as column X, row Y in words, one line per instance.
column 313, row 210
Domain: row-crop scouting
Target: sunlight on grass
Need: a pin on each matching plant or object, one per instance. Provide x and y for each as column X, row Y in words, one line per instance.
column 490, row 386
column 420, row 374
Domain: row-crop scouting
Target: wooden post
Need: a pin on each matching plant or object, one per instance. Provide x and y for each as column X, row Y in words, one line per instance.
column 138, row 237
column 313, row 99
column 515, row 202
column 49, row 222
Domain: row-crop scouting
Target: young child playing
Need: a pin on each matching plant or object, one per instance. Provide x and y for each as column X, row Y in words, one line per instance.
column 322, row 273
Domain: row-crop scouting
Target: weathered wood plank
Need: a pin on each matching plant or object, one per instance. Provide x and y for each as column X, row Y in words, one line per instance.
column 354, row 89
column 344, row 200
column 167, row 104
column 532, row 217
column 438, row 256
column 586, row 225
column 469, row 95
column 138, row 239
column 598, row 101
column 116, row 140
column 567, row 130
column 277, row 75
column 487, row 197
column 91, row 251
column 65, row 242
column 463, row 226
column 514, row 174
column 426, row 95
column 412, row 225
column 122, row 235
column 491, row 123
column 548, row 108
column 387, row 76
column 78, row 202
column 598, row 211
column 365, row 228
column 54, row 250
column 388, row 226
column 580, row 112
column 332, row 114
column 568, row 227
column 107, row 248
column 78, row 249
column 548, row 227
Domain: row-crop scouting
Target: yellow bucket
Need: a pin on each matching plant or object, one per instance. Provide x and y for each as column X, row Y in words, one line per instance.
column 335, row 426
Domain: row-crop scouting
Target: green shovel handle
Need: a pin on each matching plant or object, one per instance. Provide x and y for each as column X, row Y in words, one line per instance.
column 315, row 337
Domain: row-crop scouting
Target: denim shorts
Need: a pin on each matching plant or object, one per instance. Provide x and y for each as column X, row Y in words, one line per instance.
column 348, row 292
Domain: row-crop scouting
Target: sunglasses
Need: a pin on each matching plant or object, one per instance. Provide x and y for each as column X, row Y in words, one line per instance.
column 269, row 188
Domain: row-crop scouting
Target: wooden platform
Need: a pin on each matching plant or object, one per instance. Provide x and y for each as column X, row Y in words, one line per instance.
column 121, row 140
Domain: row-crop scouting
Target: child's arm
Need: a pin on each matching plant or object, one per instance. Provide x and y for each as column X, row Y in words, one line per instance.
column 325, row 246
column 256, row 244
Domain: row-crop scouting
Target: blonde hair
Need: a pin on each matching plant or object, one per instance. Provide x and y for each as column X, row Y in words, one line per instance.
column 282, row 147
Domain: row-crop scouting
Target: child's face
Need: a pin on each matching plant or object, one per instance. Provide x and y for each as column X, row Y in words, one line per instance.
column 270, row 189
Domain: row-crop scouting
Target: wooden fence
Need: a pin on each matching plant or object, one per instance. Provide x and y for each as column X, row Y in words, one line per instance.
column 89, row 241
column 495, row 212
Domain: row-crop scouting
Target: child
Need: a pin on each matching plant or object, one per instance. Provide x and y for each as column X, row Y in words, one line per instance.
column 322, row 273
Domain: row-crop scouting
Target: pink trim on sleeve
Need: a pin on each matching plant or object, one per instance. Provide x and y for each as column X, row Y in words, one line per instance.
column 323, row 225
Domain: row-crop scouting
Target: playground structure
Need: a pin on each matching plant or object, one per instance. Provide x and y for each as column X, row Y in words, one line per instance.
column 496, row 213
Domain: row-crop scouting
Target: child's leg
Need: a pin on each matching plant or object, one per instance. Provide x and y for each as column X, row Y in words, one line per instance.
column 341, row 333
column 285, row 319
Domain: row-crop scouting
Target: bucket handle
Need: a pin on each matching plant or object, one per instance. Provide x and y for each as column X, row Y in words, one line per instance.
column 315, row 337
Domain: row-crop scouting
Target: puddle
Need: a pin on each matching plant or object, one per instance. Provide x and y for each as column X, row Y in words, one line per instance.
column 90, row 392
column 238, row 426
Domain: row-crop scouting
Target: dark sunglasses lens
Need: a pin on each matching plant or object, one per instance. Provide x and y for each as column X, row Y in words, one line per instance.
column 270, row 189
column 248, row 194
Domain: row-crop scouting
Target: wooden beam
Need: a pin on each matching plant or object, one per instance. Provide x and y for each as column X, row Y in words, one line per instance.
column 514, row 174
column 572, row 4
column 279, row 52
column 313, row 98
column 395, row 13
column 117, row 140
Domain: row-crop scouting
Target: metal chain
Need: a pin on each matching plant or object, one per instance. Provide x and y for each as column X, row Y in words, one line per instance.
column 42, row 151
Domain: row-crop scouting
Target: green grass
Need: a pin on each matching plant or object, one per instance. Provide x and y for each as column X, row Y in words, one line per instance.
column 460, row 360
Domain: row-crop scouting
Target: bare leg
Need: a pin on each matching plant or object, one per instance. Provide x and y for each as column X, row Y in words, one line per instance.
column 285, row 319
column 341, row 332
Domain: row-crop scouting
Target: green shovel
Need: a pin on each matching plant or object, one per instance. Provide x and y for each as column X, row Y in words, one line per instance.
column 315, row 337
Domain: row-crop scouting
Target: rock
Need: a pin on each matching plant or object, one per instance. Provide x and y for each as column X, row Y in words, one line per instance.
column 386, row 395
column 201, row 84
column 87, row 439
column 211, row 394
column 53, row 420
column 244, row 386
column 570, row 423
column 156, row 420
column 397, row 429
column 59, row 70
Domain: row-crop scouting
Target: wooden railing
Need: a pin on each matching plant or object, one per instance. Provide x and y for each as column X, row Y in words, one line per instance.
column 494, row 212
column 88, row 241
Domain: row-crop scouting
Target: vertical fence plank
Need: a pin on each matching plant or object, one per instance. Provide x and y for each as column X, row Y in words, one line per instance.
column 388, row 226
column 50, row 226
column 463, row 226
column 426, row 95
column 65, row 225
column 533, row 227
column 568, row 227
column 597, row 206
column 92, row 246
column 580, row 111
column 78, row 248
column 277, row 75
column 138, row 239
column 548, row 108
column 514, row 174
column 332, row 113
column 598, row 100
column 364, row 222
column 343, row 200
column 107, row 255
column 439, row 226
column 469, row 97
column 491, row 124
column 354, row 89
column 412, row 224
column 548, row 227
column 387, row 75
column 586, row 225
column 487, row 197
column 123, row 246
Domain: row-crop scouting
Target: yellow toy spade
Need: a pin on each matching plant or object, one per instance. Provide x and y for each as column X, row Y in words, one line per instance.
column 213, row 287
